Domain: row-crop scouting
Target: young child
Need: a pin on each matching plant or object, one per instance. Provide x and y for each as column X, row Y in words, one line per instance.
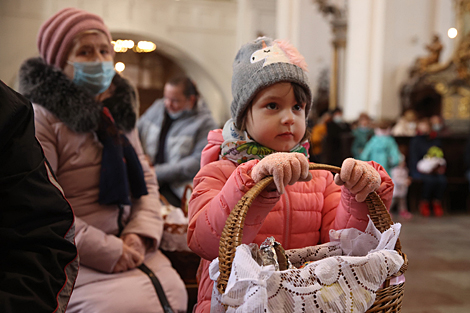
column 406, row 124
column 401, row 180
column 362, row 134
column 382, row 147
column 267, row 136
column 428, row 165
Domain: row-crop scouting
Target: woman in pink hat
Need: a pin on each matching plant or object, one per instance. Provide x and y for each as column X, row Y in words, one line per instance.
column 85, row 117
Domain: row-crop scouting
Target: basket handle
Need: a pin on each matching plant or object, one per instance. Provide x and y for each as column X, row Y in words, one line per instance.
column 185, row 197
column 232, row 233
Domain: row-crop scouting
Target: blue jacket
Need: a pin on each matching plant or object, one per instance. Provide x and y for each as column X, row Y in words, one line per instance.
column 383, row 150
column 361, row 136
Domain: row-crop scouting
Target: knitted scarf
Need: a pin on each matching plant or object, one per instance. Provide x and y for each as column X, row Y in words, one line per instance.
column 239, row 148
column 120, row 166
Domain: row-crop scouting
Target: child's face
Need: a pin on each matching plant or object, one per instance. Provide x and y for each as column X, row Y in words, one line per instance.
column 276, row 121
column 364, row 122
column 424, row 127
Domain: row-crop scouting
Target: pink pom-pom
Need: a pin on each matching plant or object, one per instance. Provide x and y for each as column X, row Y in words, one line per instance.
column 293, row 54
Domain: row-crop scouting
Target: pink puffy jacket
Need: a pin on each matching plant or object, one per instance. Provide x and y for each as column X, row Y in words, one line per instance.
column 300, row 217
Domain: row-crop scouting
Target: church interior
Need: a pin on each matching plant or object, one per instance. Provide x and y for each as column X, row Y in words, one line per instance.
column 381, row 58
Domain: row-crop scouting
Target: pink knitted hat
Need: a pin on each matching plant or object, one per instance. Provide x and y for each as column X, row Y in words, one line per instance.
column 56, row 35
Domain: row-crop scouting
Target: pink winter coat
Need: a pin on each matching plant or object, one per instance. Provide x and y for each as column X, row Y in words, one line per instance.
column 76, row 161
column 300, row 217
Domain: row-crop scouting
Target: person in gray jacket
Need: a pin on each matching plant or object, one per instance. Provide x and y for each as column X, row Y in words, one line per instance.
column 173, row 132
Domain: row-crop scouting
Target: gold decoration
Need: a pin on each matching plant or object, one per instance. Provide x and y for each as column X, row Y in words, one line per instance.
column 441, row 88
column 463, row 109
column 464, row 92
column 447, row 107
column 434, row 49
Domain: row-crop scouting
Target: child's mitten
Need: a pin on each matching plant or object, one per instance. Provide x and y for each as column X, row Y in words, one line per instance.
column 359, row 177
column 286, row 168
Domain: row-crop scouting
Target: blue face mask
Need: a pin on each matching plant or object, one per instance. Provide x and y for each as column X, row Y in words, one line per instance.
column 93, row 76
column 436, row 127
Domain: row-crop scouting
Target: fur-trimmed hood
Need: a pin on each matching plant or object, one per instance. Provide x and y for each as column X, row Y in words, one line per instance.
column 49, row 87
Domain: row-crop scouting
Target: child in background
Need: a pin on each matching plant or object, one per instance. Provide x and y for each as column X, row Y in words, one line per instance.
column 267, row 136
column 362, row 134
column 406, row 124
column 382, row 147
column 427, row 164
column 401, row 180
column 438, row 125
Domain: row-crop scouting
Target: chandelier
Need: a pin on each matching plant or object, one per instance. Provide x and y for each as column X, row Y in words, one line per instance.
column 122, row 45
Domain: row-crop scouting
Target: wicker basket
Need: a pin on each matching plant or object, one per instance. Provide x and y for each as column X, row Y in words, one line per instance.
column 388, row 299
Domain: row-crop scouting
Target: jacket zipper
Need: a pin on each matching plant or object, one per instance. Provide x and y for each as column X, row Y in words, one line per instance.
column 287, row 229
column 119, row 219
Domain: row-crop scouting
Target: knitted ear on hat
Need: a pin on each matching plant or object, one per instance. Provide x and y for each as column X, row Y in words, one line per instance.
column 260, row 64
column 56, row 35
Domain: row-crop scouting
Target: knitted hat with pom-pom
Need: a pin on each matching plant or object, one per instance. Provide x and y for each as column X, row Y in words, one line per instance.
column 260, row 64
column 56, row 36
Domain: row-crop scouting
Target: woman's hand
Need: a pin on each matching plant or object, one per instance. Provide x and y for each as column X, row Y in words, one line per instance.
column 135, row 241
column 286, row 168
column 129, row 259
column 359, row 177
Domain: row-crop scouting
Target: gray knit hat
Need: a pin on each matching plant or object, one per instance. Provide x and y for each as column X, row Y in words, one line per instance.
column 260, row 64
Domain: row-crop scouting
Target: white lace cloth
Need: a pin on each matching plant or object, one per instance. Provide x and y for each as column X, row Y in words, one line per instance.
column 345, row 276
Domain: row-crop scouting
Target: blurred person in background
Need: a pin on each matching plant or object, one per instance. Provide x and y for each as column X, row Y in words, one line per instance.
column 362, row 134
column 336, row 128
column 317, row 138
column 406, row 124
column 173, row 132
column 382, row 147
column 427, row 163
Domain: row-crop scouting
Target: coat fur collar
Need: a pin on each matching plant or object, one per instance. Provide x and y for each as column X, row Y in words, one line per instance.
column 49, row 87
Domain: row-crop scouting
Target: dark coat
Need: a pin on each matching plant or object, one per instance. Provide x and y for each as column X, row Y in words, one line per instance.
column 419, row 146
column 38, row 258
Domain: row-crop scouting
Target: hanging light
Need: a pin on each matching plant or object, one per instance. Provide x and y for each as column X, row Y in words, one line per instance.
column 122, row 45
column 119, row 67
column 452, row 32
column 145, row 46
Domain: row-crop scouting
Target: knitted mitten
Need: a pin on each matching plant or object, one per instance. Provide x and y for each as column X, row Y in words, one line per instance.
column 359, row 177
column 285, row 167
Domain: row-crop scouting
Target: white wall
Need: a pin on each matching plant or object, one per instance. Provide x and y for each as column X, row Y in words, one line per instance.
column 314, row 40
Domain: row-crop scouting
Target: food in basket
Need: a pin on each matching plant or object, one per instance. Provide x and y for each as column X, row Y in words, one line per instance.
column 282, row 259
column 272, row 253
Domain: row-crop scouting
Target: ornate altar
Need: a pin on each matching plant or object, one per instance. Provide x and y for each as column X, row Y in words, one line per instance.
column 443, row 88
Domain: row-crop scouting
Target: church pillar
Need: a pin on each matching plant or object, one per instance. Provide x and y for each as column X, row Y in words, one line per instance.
column 288, row 20
column 364, row 58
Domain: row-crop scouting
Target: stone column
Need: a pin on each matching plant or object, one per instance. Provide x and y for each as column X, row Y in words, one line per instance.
column 364, row 58
column 288, row 20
